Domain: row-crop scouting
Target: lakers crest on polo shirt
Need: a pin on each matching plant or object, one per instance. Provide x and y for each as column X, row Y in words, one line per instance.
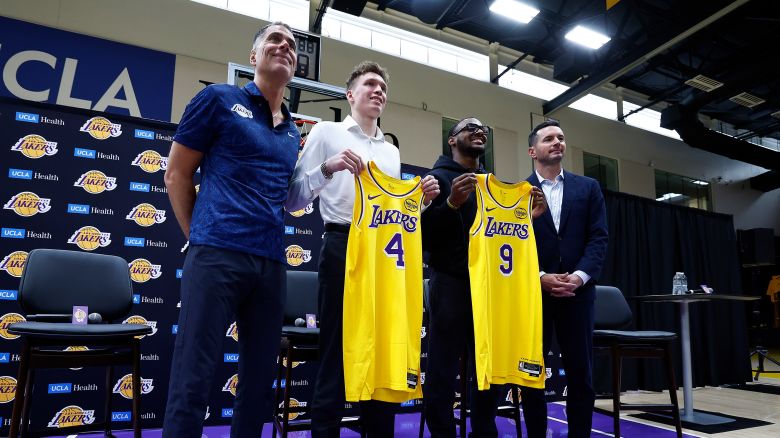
column 383, row 290
column 506, row 295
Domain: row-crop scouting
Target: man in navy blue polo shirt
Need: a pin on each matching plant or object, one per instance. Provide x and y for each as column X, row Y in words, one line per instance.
column 246, row 145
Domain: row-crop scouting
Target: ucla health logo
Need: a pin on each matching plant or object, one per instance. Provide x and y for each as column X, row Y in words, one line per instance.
column 5, row 321
column 146, row 215
column 34, row 146
column 141, row 270
column 84, row 153
column 13, row 233
column 140, row 320
column 134, row 241
column 90, row 238
column 150, row 161
column 139, row 187
column 60, row 388
column 124, row 386
column 72, row 415
column 78, row 208
column 101, row 128
column 146, row 135
column 28, row 204
column 231, row 384
column 7, row 389
column 121, row 416
column 19, row 173
column 7, row 295
column 13, row 263
column 27, row 117
column 95, row 182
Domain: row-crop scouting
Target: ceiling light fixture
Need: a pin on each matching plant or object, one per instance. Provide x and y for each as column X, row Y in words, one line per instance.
column 587, row 37
column 514, row 10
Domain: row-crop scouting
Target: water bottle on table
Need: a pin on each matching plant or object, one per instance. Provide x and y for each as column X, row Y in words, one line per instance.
column 679, row 284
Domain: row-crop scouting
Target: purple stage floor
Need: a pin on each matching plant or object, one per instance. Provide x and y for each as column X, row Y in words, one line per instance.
column 407, row 425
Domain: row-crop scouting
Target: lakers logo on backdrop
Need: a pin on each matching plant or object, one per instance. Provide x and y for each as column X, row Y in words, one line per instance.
column 140, row 320
column 124, row 386
column 232, row 332
column 294, row 403
column 7, row 389
column 146, row 215
column 28, row 204
column 101, row 128
column 90, row 238
column 72, row 415
column 34, row 146
column 231, row 384
column 142, row 270
column 150, row 161
column 13, row 263
column 309, row 209
column 5, row 321
column 95, row 182
column 297, row 256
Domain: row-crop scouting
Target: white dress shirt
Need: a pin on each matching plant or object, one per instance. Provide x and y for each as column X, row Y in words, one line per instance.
column 337, row 195
column 553, row 192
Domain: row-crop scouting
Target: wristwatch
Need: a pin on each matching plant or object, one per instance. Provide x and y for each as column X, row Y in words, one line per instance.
column 325, row 172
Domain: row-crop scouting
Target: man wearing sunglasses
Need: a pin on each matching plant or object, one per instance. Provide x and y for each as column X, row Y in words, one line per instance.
column 445, row 227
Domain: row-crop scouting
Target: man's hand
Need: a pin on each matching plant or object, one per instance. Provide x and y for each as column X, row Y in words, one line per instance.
column 462, row 186
column 344, row 160
column 558, row 285
column 574, row 279
column 430, row 188
column 539, row 203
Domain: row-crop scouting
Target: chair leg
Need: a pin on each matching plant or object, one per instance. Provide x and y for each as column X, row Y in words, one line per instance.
column 136, row 388
column 21, row 386
column 277, row 394
column 516, row 409
column 672, row 388
column 107, row 403
column 617, row 365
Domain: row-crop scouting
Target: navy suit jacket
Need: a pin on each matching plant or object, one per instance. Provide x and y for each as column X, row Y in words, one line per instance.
column 581, row 240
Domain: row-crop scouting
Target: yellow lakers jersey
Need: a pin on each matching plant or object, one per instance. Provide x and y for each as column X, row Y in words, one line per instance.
column 383, row 290
column 506, row 294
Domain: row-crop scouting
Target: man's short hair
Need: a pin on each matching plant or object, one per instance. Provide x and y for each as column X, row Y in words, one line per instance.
column 532, row 137
column 367, row 67
column 452, row 128
column 263, row 30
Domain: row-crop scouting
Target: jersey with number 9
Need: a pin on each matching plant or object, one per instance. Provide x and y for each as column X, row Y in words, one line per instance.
column 506, row 296
column 383, row 289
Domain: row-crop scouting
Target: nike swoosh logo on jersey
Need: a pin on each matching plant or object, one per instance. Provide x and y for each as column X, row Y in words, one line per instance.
column 490, row 209
column 371, row 198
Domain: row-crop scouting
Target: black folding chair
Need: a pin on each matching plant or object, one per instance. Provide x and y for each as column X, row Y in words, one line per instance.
column 611, row 314
column 52, row 283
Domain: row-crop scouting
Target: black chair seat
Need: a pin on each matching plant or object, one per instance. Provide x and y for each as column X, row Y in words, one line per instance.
column 636, row 336
column 66, row 330
column 301, row 333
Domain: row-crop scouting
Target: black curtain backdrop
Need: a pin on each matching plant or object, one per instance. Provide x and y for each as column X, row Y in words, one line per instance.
column 650, row 241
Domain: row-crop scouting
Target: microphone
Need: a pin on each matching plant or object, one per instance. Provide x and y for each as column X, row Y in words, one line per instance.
column 94, row 318
column 300, row 322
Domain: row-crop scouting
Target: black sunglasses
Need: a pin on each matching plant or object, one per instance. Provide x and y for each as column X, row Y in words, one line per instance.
column 472, row 128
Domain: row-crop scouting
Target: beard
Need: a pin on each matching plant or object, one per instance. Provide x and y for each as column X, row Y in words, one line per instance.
column 466, row 148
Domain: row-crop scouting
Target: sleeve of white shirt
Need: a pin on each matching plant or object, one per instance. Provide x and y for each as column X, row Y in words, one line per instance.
column 307, row 180
column 585, row 277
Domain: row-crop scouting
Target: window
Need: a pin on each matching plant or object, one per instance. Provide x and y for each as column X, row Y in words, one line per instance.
column 602, row 169
column 485, row 160
column 681, row 190
column 293, row 12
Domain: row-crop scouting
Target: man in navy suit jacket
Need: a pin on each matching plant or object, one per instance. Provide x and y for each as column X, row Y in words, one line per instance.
column 571, row 240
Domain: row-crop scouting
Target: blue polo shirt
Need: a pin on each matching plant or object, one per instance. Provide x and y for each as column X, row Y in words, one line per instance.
column 246, row 168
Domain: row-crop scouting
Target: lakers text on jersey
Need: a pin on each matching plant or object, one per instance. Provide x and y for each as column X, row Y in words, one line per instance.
column 506, row 294
column 383, row 290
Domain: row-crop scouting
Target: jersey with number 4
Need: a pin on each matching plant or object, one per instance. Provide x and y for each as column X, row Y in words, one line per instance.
column 506, row 295
column 383, row 290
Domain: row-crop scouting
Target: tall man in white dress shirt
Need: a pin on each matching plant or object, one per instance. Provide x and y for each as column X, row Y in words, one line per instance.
column 334, row 152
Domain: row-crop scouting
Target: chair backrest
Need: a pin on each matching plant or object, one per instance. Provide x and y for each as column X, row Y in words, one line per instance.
column 302, row 295
column 612, row 311
column 55, row 280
